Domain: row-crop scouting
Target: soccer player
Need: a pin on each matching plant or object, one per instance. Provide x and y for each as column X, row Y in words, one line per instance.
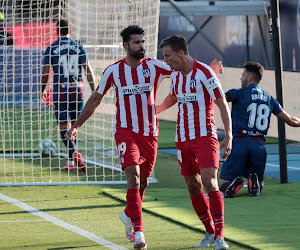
column 135, row 80
column 67, row 58
column 252, row 108
column 196, row 88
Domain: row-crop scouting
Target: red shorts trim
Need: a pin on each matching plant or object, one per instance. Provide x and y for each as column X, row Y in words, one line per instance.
column 193, row 155
column 136, row 149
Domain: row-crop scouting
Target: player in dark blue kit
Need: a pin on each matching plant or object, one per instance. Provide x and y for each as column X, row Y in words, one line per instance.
column 67, row 58
column 251, row 112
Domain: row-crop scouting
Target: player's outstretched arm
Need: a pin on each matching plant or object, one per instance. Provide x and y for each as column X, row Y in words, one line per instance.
column 89, row 75
column 89, row 109
column 225, row 115
column 169, row 101
column 293, row 121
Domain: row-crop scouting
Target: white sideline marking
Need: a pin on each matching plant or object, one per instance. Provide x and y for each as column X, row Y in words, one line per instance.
column 62, row 224
column 277, row 166
column 1, row 221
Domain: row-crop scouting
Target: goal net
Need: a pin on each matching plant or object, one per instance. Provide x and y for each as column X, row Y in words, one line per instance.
column 25, row 121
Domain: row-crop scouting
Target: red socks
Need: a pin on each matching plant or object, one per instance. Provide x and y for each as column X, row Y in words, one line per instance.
column 201, row 207
column 216, row 203
column 134, row 209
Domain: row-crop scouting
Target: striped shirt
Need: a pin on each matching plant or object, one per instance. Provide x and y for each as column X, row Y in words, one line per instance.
column 195, row 93
column 135, row 94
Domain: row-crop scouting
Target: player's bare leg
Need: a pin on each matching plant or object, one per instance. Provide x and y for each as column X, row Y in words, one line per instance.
column 144, row 183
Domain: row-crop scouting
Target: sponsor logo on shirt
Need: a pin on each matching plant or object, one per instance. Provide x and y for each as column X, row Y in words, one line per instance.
column 187, row 98
column 137, row 89
column 251, row 133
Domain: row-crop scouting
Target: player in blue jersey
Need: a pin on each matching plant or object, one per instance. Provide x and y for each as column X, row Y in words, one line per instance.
column 67, row 58
column 251, row 112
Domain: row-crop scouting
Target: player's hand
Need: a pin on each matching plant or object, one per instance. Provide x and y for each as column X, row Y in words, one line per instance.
column 44, row 96
column 217, row 66
column 71, row 134
column 227, row 145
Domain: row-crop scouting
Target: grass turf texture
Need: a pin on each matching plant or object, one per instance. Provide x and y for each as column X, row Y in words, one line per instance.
column 269, row 221
column 85, row 207
column 266, row 222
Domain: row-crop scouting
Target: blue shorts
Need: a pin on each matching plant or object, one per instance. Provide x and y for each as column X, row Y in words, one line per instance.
column 67, row 111
column 245, row 158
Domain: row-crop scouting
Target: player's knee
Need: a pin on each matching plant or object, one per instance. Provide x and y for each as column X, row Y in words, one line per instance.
column 210, row 184
column 133, row 181
column 194, row 188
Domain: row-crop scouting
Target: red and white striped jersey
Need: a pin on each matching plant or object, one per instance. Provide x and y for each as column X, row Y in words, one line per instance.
column 195, row 94
column 135, row 93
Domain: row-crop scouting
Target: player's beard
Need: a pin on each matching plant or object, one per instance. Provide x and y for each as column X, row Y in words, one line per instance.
column 137, row 54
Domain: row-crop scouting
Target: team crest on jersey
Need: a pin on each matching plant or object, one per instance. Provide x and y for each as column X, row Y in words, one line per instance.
column 193, row 83
column 146, row 72
column 137, row 89
column 187, row 98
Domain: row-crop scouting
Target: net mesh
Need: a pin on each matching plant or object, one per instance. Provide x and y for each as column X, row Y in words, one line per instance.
column 25, row 122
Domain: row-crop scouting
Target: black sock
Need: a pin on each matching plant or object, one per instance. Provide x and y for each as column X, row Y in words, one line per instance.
column 70, row 145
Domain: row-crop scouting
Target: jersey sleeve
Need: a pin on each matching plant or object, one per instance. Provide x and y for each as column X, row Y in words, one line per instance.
column 231, row 95
column 46, row 59
column 83, row 58
column 171, row 90
column 163, row 69
column 106, row 81
column 173, row 80
column 213, row 84
column 277, row 109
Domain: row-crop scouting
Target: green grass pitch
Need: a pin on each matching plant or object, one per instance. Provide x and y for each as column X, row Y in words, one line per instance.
column 270, row 221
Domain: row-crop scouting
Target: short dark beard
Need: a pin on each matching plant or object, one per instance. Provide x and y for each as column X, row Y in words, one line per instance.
column 136, row 54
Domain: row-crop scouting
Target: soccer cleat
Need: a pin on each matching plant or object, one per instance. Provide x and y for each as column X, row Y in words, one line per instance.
column 207, row 241
column 77, row 157
column 69, row 167
column 234, row 187
column 139, row 243
column 220, row 243
column 253, row 185
column 128, row 226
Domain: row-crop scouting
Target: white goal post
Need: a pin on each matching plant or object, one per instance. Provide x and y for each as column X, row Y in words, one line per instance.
column 25, row 121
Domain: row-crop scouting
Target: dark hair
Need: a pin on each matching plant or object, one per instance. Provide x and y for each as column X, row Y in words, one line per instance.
column 63, row 27
column 256, row 69
column 131, row 30
column 176, row 43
